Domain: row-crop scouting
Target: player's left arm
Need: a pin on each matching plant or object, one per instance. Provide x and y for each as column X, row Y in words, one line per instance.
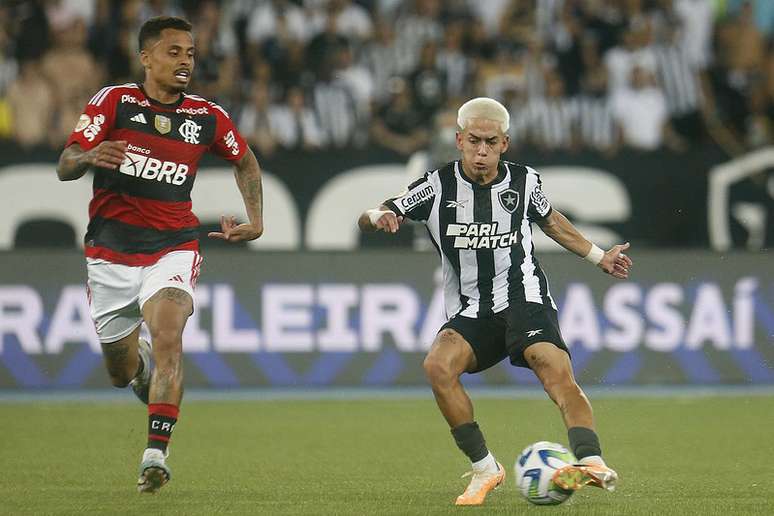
column 247, row 172
column 563, row 232
column 231, row 146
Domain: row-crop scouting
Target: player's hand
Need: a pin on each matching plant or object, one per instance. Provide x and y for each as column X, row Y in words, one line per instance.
column 616, row 263
column 389, row 222
column 108, row 154
column 233, row 232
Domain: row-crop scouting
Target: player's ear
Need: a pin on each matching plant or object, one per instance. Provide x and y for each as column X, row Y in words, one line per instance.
column 145, row 58
column 458, row 140
column 506, row 143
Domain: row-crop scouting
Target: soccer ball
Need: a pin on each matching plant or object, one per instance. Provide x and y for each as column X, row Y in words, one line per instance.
column 534, row 469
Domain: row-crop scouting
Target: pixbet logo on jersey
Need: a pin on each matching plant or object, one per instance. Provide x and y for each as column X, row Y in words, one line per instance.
column 146, row 167
column 480, row 235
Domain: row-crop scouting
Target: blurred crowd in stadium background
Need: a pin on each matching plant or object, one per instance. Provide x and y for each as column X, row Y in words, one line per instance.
column 307, row 74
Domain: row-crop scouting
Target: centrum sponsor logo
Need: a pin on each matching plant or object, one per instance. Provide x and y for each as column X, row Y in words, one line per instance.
column 415, row 197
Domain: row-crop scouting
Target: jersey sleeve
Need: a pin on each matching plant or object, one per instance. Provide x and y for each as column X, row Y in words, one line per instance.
column 416, row 201
column 539, row 207
column 228, row 143
column 96, row 121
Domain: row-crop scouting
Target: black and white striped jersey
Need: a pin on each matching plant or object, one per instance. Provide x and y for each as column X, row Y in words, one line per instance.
column 483, row 234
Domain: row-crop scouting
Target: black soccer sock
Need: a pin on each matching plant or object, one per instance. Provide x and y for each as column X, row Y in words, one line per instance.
column 470, row 440
column 583, row 442
column 161, row 421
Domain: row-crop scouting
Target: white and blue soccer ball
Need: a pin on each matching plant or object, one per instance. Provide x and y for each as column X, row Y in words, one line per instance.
column 535, row 468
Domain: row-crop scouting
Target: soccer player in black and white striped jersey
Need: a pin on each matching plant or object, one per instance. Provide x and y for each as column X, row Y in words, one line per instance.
column 479, row 212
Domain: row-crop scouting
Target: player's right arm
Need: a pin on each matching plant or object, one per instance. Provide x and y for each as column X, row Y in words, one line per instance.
column 414, row 203
column 381, row 218
column 74, row 161
column 87, row 145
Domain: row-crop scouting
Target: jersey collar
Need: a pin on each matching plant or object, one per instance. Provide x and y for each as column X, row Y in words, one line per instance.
column 155, row 102
column 502, row 173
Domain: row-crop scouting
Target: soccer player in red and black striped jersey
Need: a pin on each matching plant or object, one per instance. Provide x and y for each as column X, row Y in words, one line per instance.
column 143, row 143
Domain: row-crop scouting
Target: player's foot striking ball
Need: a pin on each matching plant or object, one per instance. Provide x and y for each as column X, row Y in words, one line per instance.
column 596, row 474
column 144, row 143
column 479, row 211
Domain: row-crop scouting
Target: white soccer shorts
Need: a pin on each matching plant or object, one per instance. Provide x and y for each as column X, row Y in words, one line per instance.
column 118, row 292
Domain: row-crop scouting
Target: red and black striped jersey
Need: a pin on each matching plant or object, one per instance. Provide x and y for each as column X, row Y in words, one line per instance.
column 142, row 210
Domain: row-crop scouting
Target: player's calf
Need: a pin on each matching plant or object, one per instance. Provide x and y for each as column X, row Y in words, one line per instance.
column 141, row 382
column 122, row 361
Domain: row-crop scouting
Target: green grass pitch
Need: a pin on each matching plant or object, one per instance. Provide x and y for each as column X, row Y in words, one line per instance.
column 681, row 456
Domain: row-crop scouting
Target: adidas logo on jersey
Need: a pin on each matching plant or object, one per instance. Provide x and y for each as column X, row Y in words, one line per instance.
column 139, row 118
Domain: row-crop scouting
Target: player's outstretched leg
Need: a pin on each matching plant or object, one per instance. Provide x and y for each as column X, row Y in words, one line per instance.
column 552, row 366
column 165, row 313
column 449, row 357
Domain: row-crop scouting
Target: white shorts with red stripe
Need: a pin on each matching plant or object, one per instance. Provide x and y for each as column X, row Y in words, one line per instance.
column 118, row 292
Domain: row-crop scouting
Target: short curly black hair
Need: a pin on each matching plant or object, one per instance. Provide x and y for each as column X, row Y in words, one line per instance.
column 152, row 28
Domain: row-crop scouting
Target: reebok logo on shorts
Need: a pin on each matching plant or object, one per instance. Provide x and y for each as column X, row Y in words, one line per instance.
column 532, row 333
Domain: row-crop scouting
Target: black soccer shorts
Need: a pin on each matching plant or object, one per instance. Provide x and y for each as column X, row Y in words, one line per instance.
column 508, row 333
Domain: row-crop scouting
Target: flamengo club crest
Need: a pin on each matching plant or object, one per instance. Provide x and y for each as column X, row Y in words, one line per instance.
column 189, row 130
column 162, row 124
column 509, row 199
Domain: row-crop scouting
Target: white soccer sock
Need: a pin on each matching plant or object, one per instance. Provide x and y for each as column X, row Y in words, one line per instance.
column 593, row 459
column 152, row 454
column 488, row 464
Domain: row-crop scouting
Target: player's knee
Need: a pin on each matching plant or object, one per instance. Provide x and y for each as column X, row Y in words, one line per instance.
column 166, row 338
column 560, row 386
column 438, row 369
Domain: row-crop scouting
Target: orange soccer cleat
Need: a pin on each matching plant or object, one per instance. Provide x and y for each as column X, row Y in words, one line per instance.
column 575, row 476
column 480, row 485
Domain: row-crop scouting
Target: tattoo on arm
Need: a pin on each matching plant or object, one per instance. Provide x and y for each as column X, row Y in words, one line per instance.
column 255, row 192
column 69, row 166
column 248, row 176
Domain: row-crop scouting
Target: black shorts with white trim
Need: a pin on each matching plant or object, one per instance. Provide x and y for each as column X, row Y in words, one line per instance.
column 508, row 333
